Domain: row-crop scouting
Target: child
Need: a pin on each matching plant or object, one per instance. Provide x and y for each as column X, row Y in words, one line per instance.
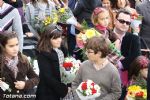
column 138, row 71
column 50, row 57
column 101, row 19
column 14, row 68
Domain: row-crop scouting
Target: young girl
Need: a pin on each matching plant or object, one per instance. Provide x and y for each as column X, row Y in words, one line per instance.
column 101, row 19
column 14, row 67
column 138, row 71
column 50, row 57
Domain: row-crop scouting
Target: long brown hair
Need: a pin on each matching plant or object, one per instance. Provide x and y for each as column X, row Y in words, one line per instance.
column 51, row 32
column 4, row 37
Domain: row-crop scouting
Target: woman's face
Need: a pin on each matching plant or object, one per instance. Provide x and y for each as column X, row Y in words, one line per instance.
column 144, row 72
column 56, row 43
column 91, row 55
column 12, row 47
column 121, row 3
column 106, row 4
column 104, row 18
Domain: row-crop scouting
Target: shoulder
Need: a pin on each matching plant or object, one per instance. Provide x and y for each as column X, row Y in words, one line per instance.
column 86, row 64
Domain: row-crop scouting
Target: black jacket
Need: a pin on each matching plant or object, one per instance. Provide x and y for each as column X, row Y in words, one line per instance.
column 50, row 86
column 84, row 9
column 130, row 49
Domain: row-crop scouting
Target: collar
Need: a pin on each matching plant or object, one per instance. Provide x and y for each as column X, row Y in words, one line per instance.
column 4, row 7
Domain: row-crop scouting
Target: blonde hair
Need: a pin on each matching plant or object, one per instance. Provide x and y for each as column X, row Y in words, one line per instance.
column 96, row 12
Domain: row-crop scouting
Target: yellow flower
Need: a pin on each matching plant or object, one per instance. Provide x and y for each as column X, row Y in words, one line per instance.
column 62, row 10
column 134, row 88
column 90, row 33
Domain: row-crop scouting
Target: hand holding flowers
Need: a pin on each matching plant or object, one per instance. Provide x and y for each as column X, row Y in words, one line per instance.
column 88, row 90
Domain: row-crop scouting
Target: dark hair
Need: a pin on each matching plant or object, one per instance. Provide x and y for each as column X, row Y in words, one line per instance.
column 138, row 63
column 99, row 44
column 114, row 4
column 4, row 37
column 51, row 32
column 122, row 11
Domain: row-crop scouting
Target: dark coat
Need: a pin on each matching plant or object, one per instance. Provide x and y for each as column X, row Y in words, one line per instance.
column 144, row 10
column 84, row 9
column 148, row 83
column 24, row 69
column 50, row 86
column 130, row 49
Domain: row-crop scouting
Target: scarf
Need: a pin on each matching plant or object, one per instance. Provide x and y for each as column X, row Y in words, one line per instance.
column 101, row 28
column 12, row 65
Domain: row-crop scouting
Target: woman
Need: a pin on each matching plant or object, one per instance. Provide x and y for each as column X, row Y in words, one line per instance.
column 37, row 11
column 14, row 67
column 96, row 67
column 50, row 57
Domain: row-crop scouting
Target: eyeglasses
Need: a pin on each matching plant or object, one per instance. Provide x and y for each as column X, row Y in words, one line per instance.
column 123, row 21
column 89, row 51
column 58, row 28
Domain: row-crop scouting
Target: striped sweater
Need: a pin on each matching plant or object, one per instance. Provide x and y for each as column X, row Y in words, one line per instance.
column 10, row 20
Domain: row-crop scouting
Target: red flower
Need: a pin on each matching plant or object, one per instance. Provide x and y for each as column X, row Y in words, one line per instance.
column 139, row 94
column 93, row 90
column 93, row 84
column 67, row 64
column 84, row 86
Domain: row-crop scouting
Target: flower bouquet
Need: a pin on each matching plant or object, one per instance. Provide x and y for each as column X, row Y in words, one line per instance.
column 65, row 16
column 135, row 23
column 115, row 54
column 88, row 90
column 41, row 24
column 69, row 69
column 135, row 92
column 82, row 37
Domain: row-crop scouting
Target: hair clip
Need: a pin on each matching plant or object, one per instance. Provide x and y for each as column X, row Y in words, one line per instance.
column 98, row 10
column 143, row 61
column 57, row 27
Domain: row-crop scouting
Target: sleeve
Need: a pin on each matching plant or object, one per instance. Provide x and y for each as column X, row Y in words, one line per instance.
column 115, row 90
column 134, row 52
column 138, row 9
column 76, row 83
column 17, row 27
column 77, row 11
column 32, row 76
column 28, row 18
column 46, row 71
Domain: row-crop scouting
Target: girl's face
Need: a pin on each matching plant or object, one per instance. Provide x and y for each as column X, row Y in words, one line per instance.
column 104, row 18
column 56, row 43
column 106, row 4
column 144, row 72
column 12, row 47
column 121, row 3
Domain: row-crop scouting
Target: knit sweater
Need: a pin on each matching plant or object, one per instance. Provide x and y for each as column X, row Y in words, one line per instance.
column 107, row 78
column 10, row 20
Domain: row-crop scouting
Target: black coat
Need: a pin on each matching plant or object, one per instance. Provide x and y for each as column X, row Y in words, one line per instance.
column 84, row 9
column 130, row 49
column 50, row 86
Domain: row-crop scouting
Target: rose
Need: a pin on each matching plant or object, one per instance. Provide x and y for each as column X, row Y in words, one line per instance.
column 84, row 86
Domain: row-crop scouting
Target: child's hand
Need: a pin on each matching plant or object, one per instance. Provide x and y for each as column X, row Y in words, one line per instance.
column 19, row 85
column 29, row 34
column 13, row 0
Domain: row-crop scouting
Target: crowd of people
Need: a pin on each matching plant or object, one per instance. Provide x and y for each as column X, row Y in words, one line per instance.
column 21, row 38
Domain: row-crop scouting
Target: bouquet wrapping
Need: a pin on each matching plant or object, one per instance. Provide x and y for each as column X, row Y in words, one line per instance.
column 69, row 69
column 88, row 90
column 135, row 92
